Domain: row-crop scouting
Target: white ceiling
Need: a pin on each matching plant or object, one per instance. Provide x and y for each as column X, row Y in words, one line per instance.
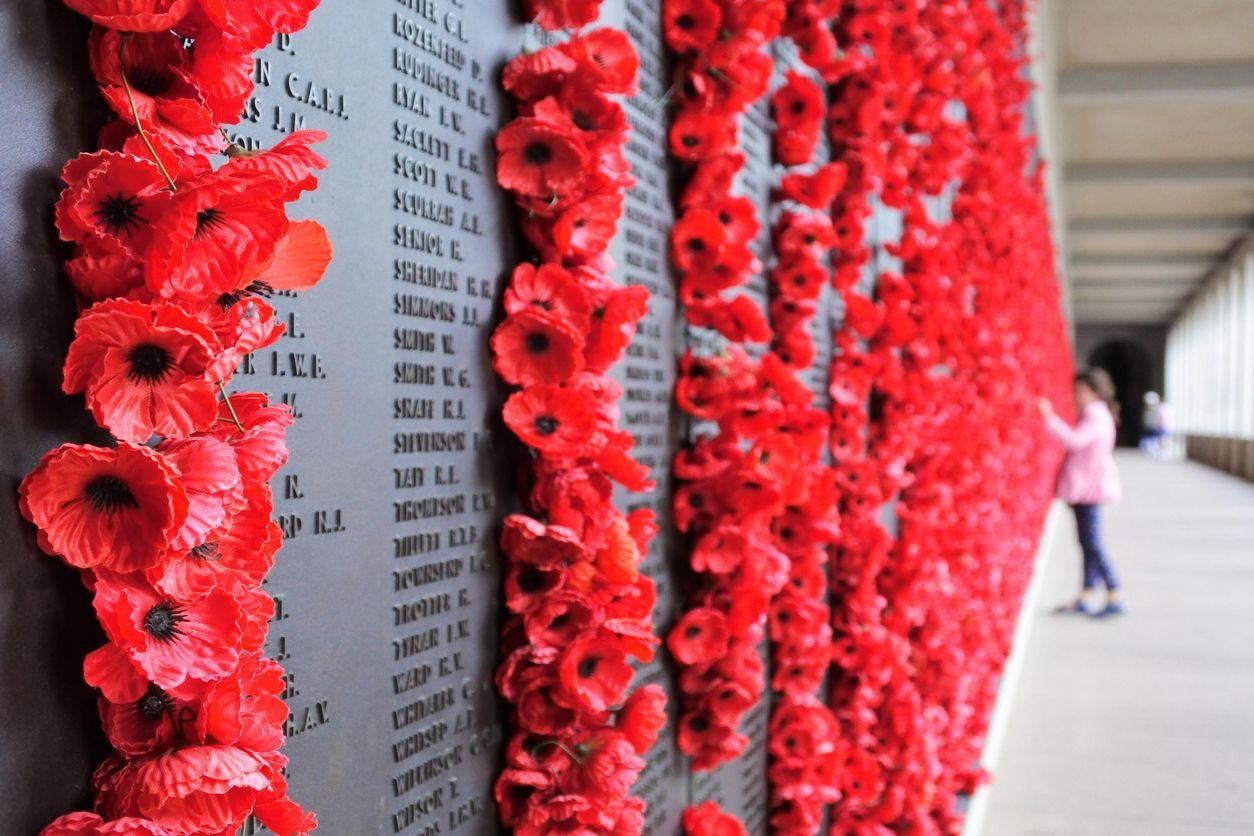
column 1156, row 109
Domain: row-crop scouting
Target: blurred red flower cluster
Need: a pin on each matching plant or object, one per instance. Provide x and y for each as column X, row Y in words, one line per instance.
column 172, row 526
column 804, row 738
column 580, row 609
column 735, row 477
column 939, row 361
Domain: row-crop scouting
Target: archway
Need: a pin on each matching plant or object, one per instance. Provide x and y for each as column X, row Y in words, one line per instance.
column 1129, row 366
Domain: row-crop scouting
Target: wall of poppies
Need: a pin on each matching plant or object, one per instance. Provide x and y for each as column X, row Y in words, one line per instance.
column 857, row 499
column 881, row 543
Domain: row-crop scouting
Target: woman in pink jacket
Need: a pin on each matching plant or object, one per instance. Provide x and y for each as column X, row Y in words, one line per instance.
column 1088, row 479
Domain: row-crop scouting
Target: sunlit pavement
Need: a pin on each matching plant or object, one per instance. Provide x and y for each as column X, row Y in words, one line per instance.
column 1141, row 725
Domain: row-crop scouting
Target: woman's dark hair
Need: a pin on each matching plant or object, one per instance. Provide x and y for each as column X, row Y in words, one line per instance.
column 1099, row 381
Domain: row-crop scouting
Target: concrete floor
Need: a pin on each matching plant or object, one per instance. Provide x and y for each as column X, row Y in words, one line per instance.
column 1141, row 725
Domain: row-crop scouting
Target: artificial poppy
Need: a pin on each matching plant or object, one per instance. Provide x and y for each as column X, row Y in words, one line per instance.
column 700, row 637
column 561, row 14
column 593, row 670
column 193, row 789
column 691, row 25
column 216, row 230
column 111, row 196
column 534, row 346
column 143, row 368
column 539, row 159
column 178, row 645
column 97, row 507
column 133, row 15
column 708, row 819
column 642, row 717
column 90, row 824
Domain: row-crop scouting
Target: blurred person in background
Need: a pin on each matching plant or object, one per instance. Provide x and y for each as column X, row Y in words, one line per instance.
column 1087, row 480
column 1156, row 424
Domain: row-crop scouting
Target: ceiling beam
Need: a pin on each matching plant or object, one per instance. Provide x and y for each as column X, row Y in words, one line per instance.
column 1208, row 172
column 1083, row 85
column 1080, row 258
column 1228, row 224
column 1135, row 282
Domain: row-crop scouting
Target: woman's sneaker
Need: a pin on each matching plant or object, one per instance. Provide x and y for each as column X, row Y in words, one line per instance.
column 1113, row 608
column 1074, row 607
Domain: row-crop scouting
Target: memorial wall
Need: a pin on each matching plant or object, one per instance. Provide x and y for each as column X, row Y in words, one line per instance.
column 388, row 593
column 388, row 589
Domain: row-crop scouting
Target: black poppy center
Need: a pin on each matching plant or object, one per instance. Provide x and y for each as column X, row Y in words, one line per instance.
column 547, row 425
column 205, row 551
column 109, row 493
column 208, row 219
column 154, row 704
column 538, row 153
column 149, row 363
column 119, row 214
column 692, row 632
column 148, row 80
column 588, row 667
column 537, row 343
column 798, row 107
column 690, row 141
column 699, row 723
column 162, row 621
column 531, row 579
column 582, row 120
column 686, row 22
column 696, row 245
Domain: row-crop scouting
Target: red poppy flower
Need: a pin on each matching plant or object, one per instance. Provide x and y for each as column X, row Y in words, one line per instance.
column 143, row 368
column 146, row 75
column 138, row 717
column 708, row 819
column 246, row 709
column 642, row 717
column 554, row 420
column 260, row 449
column 593, row 670
column 539, row 159
column 178, row 645
column 696, row 135
column 90, row 824
column 738, row 319
column 215, row 231
column 208, row 473
column 606, row 59
column 586, row 228
column 700, row 637
column 104, row 508
column 816, row 190
column 253, row 22
column 549, row 288
column 606, row 768
column 292, row 160
column 530, row 541
column 534, row 346
column 111, row 196
column 102, row 268
column 529, row 76
column 691, row 25
column 561, row 14
column 696, row 240
column 238, row 553
column 208, row 789
column 133, row 15
column 222, row 70
column 615, row 313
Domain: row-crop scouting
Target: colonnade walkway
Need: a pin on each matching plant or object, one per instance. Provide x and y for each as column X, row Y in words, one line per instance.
column 1143, row 724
